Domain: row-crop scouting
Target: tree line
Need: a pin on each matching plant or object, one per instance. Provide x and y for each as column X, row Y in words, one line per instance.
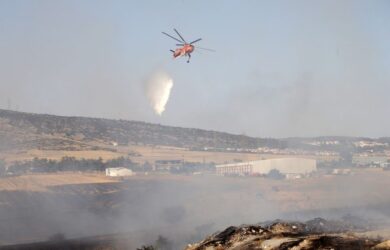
column 39, row 165
column 43, row 165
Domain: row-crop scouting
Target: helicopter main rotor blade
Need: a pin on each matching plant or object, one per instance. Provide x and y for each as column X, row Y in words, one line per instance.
column 172, row 37
column 197, row 40
column 211, row 50
column 180, row 44
column 177, row 32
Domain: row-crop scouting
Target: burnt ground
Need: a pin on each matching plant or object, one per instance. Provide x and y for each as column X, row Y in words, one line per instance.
column 106, row 242
column 276, row 235
column 281, row 235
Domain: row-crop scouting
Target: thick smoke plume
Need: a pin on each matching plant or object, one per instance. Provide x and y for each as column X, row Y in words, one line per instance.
column 158, row 89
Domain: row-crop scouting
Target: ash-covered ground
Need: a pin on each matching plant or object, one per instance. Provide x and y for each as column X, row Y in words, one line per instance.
column 282, row 235
column 318, row 233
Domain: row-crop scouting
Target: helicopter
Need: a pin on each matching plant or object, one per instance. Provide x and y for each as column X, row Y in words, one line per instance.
column 185, row 48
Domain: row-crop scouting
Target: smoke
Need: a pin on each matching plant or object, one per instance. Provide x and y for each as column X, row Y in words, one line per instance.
column 158, row 88
column 184, row 209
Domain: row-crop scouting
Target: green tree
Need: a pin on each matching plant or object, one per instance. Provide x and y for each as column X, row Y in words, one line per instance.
column 275, row 174
column 163, row 243
column 147, row 166
column 146, row 248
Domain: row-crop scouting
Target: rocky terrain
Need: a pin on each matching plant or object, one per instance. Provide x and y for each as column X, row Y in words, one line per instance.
column 280, row 235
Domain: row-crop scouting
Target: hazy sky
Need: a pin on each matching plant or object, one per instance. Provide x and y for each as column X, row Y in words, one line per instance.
column 282, row 68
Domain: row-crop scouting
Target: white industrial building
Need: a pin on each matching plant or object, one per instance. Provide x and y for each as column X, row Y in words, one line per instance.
column 120, row 171
column 286, row 166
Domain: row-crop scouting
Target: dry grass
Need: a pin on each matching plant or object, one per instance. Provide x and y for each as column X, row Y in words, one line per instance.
column 365, row 187
column 153, row 153
column 40, row 182
column 148, row 153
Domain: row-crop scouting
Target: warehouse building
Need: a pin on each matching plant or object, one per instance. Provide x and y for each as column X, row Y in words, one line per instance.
column 286, row 166
column 121, row 171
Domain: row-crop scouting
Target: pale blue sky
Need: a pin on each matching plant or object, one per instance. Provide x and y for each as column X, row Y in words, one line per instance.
column 282, row 68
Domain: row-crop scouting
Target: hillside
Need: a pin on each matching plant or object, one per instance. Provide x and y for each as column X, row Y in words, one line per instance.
column 26, row 130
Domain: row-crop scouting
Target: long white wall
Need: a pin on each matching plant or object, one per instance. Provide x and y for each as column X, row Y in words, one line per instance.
column 283, row 165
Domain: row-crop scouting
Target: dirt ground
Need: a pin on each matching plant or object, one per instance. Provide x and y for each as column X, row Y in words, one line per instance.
column 35, row 207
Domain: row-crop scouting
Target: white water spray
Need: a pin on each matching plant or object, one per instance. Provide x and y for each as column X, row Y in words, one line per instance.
column 158, row 88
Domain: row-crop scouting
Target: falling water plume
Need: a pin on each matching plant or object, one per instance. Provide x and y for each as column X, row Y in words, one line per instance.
column 158, row 88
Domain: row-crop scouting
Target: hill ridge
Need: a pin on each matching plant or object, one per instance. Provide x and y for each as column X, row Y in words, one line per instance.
column 120, row 131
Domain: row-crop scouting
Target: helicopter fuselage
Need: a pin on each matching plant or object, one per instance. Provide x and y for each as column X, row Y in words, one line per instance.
column 182, row 51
